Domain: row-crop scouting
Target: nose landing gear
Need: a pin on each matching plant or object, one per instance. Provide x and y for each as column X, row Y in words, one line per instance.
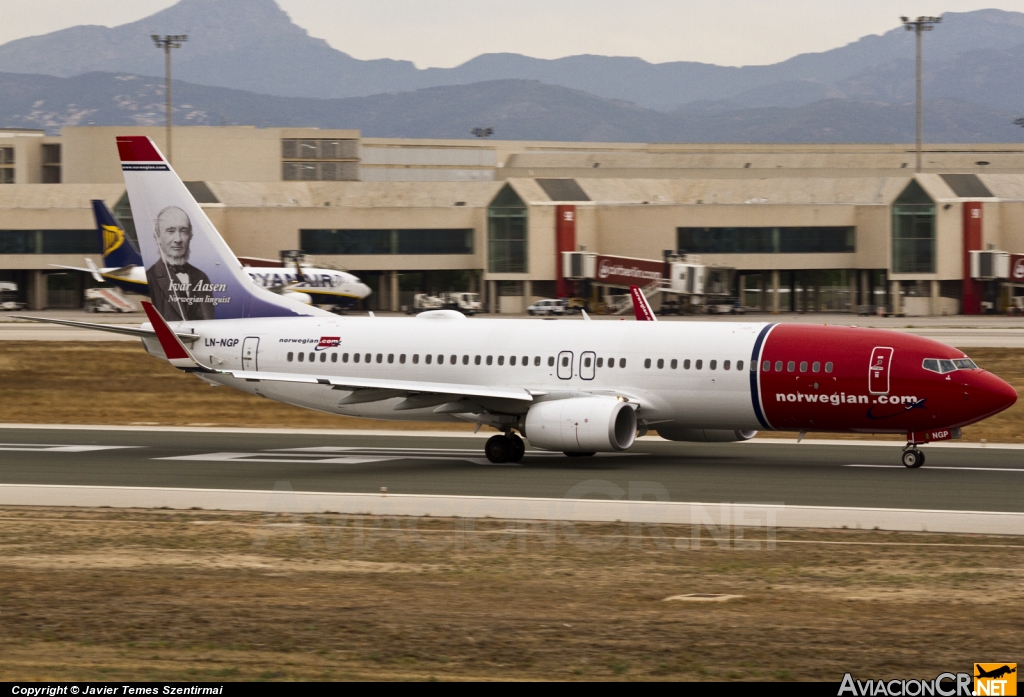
column 505, row 448
column 912, row 457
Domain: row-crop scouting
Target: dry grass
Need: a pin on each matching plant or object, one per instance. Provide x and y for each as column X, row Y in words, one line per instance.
column 118, row 383
column 163, row 595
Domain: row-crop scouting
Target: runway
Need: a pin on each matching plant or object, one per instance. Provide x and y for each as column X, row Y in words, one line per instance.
column 806, row 474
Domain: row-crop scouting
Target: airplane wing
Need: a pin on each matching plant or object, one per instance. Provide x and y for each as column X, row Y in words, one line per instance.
column 364, row 389
column 112, row 328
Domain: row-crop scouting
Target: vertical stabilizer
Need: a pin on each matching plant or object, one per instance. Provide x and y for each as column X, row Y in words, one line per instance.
column 641, row 308
column 191, row 271
column 118, row 250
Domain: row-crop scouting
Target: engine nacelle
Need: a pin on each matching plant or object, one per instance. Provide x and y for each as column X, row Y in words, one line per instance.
column 304, row 298
column 703, row 435
column 581, row 424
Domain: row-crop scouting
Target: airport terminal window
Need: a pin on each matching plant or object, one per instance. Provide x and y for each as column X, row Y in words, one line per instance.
column 507, row 233
column 766, row 240
column 409, row 241
column 913, row 231
column 6, row 165
column 50, row 242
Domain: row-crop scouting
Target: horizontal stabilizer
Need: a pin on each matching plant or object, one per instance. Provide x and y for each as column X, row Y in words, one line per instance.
column 112, row 328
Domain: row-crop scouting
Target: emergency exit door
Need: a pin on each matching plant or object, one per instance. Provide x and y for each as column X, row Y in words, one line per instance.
column 878, row 371
column 250, row 347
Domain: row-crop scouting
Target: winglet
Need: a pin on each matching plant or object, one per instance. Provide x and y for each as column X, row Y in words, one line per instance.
column 641, row 307
column 177, row 354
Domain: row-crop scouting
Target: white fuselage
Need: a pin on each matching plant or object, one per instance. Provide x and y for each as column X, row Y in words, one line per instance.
column 550, row 358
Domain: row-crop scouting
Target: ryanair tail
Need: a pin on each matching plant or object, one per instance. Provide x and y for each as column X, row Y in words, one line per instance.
column 191, row 272
column 118, row 250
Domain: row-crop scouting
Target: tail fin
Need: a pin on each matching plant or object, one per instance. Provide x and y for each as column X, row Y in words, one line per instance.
column 118, row 250
column 192, row 273
column 641, row 308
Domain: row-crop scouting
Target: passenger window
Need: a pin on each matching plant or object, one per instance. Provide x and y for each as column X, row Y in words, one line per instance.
column 739, row 365
column 511, row 360
column 344, row 358
column 803, row 366
column 791, row 366
column 290, row 356
column 622, row 362
column 686, row 364
column 766, row 366
column 401, row 358
column 476, row 360
column 465, row 360
column 661, row 363
column 429, row 358
column 778, row 366
column 380, row 358
column 501, row 360
column 355, row 357
column 551, row 361
column 828, row 367
column 302, row 357
column 714, row 364
column 816, row 366
column 600, row 362
column 454, row 359
column 367, row 358
column 334, row 358
column 586, row 362
column 647, row 362
column 391, row 358
column 490, row 360
column 674, row 364
column 725, row 365
column 526, row 360
column 536, row 360
column 323, row 357
column 699, row 364
column 440, row 359
column 565, row 361
column 312, row 356
column 415, row 358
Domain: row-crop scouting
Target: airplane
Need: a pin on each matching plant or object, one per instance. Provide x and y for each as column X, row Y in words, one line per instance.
column 573, row 387
column 995, row 673
column 123, row 267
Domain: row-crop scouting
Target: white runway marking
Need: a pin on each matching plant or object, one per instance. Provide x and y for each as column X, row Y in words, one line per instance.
column 929, row 467
column 49, row 448
column 334, row 455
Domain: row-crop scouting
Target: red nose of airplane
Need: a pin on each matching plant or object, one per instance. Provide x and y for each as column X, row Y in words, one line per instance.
column 989, row 395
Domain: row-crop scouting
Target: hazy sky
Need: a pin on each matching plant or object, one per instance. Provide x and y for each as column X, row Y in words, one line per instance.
column 444, row 33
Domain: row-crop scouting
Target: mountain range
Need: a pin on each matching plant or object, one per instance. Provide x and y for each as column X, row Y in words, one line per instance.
column 247, row 62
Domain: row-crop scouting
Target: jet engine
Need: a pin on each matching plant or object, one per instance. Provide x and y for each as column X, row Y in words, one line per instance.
column 304, row 298
column 581, row 425
column 703, row 435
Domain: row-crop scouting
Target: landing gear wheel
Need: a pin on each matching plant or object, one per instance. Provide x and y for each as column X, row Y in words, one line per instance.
column 498, row 449
column 577, row 454
column 518, row 448
column 912, row 459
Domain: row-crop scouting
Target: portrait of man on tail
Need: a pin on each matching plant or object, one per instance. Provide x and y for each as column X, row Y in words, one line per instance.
column 179, row 291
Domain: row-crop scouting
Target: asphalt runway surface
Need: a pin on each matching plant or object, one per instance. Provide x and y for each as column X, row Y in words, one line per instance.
column 810, row 474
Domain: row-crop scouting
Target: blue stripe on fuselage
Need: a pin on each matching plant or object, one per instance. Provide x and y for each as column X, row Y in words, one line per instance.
column 755, row 358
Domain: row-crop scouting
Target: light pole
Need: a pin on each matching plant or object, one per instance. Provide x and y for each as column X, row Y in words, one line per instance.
column 167, row 43
column 917, row 26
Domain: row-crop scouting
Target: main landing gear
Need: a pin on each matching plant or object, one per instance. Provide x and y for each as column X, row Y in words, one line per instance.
column 505, row 448
column 912, row 457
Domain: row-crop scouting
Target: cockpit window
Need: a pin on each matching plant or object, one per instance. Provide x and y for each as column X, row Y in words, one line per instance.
column 943, row 365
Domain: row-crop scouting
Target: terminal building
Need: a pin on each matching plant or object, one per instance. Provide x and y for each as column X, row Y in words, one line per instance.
column 800, row 228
